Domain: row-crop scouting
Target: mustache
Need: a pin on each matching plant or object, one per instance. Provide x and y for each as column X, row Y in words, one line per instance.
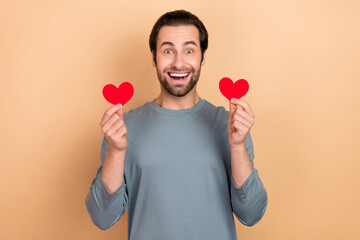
column 175, row 69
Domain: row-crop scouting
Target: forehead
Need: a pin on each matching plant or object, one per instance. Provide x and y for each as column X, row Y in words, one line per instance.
column 178, row 34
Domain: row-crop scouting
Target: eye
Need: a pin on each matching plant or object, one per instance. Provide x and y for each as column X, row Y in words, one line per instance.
column 168, row 51
column 189, row 51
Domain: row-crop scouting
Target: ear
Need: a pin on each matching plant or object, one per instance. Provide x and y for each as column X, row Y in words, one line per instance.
column 203, row 61
column 152, row 57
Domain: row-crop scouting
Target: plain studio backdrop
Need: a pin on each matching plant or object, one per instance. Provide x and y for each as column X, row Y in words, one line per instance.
column 301, row 59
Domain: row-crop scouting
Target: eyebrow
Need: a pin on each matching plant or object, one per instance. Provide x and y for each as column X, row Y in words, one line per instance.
column 171, row 44
column 190, row 42
column 166, row 43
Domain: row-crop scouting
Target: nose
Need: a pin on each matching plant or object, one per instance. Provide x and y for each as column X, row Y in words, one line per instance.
column 178, row 61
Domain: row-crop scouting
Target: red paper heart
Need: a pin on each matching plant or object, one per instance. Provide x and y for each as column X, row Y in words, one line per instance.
column 233, row 90
column 122, row 94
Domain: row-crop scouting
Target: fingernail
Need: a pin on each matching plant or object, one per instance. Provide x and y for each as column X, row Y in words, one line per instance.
column 119, row 105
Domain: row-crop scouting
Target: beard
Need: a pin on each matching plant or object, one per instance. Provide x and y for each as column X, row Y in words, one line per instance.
column 178, row 90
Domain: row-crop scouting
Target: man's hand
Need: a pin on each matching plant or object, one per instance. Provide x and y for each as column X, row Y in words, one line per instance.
column 240, row 121
column 114, row 128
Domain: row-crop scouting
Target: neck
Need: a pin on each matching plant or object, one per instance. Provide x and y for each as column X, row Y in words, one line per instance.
column 177, row 103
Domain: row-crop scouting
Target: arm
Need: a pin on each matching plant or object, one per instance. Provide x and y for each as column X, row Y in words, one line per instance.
column 248, row 195
column 107, row 199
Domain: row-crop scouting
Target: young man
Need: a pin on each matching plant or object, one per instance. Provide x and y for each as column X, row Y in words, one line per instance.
column 180, row 164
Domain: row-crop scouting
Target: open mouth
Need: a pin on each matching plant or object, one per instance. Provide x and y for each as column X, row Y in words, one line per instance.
column 178, row 76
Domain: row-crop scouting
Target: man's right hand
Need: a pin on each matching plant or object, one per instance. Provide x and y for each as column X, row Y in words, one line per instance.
column 114, row 128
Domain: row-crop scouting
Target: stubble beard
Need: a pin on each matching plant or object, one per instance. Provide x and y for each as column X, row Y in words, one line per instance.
column 178, row 90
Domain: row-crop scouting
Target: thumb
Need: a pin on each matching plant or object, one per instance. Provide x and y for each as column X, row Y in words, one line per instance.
column 232, row 109
column 120, row 111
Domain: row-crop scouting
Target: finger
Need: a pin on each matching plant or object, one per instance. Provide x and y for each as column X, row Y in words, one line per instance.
column 109, row 113
column 120, row 133
column 241, row 113
column 240, row 127
column 120, row 113
column 232, row 109
column 242, row 121
column 114, row 118
column 243, row 104
column 115, row 127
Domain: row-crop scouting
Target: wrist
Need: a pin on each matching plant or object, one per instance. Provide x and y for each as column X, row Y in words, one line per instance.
column 237, row 146
column 115, row 153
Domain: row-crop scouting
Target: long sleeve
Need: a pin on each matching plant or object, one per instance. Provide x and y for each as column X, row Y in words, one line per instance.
column 249, row 202
column 105, row 208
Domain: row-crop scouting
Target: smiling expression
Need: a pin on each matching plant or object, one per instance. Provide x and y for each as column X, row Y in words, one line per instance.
column 178, row 59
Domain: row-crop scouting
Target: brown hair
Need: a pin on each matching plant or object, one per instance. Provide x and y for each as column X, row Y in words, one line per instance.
column 176, row 18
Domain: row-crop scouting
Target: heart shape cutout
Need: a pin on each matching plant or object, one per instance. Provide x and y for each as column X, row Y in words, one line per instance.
column 122, row 94
column 233, row 90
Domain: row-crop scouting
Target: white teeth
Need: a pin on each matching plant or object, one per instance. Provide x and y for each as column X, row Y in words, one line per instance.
column 179, row 74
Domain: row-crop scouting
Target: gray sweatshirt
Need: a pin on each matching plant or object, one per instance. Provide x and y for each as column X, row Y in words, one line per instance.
column 177, row 177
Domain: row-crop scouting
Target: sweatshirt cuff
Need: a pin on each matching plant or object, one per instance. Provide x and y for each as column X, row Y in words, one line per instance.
column 104, row 192
column 247, row 185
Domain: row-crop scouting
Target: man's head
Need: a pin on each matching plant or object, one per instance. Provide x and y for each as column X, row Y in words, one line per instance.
column 176, row 18
column 178, row 42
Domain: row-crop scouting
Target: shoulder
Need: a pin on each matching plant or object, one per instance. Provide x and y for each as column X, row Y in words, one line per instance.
column 135, row 113
column 218, row 112
column 218, row 117
column 215, row 116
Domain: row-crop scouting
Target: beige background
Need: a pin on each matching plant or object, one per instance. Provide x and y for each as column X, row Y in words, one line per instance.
column 301, row 59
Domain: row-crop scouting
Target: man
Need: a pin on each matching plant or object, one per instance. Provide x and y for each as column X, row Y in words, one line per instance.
column 180, row 164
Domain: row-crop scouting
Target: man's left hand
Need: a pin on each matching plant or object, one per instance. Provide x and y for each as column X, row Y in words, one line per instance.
column 240, row 121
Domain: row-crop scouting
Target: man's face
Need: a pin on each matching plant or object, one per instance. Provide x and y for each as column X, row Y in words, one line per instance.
column 178, row 58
